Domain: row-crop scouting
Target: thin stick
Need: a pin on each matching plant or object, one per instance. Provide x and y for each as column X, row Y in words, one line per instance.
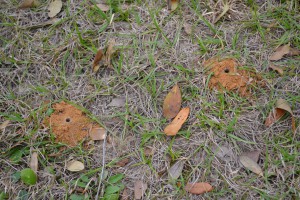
column 103, row 166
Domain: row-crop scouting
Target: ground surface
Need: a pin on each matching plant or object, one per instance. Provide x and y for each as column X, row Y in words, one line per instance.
column 53, row 63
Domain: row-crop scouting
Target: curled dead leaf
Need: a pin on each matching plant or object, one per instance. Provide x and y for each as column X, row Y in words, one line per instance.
column 34, row 162
column 54, row 8
column 253, row 155
column 251, row 165
column 276, row 68
column 75, row 166
column 281, row 107
column 139, row 189
column 198, row 188
column 284, row 50
column 173, row 4
column 104, row 56
column 176, row 124
column 97, row 60
column 176, row 170
column 4, row 124
column 172, row 103
column 97, row 133
column 29, row 4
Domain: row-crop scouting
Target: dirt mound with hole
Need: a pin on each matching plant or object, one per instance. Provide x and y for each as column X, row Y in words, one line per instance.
column 69, row 124
column 227, row 76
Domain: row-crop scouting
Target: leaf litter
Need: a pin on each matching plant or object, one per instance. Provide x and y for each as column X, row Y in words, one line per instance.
column 29, row 4
column 198, row 188
column 251, row 165
column 172, row 103
column 173, row 4
column 54, row 8
column 284, row 50
column 71, row 125
column 226, row 75
column 176, row 124
column 139, row 189
column 176, row 170
column 279, row 70
column 281, row 108
column 34, row 162
column 103, row 56
column 75, row 166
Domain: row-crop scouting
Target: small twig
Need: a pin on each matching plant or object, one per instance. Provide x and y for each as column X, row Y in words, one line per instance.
column 102, row 170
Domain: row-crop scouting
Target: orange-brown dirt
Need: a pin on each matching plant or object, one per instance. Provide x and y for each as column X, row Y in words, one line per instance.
column 69, row 124
column 226, row 75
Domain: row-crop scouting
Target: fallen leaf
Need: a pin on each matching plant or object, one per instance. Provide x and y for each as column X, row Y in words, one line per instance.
column 251, row 165
column 173, row 4
column 105, row 56
column 29, row 4
column 176, row 170
column 276, row 68
column 97, row 60
column 198, row 188
column 75, row 166
column 281, row 107
column 34, row 162
column 139, row 189
column 109, row 52
column 253, row 155
column 223, row 152
column 175, row 125
column 117, row 102
column 172, row 103
column 122, row 162
column 54, row 8
column 103, row 7
column 149, row 151
column 125, row 194
column 4, row 124
column 97, row 133
column 187, row 28
column 284, row 50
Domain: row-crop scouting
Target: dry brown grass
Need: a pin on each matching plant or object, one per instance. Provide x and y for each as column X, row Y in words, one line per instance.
column 55, row 62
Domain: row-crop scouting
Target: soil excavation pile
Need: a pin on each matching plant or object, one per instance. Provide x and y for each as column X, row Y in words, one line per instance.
column 226, row 75
column 69, row 124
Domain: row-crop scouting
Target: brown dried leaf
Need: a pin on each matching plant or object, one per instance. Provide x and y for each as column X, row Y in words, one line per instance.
column 103, row 7
column 97, row 133
column 75, row 166
column 253, row 155
column 34, row 162
column 173, row 4
column 117, row 102
column 281, row 107
column 198, row 188
column 187, row 28
column 126, row 194
column 139, row 189
column 4, row 124
column 29, row 4
column 54, row 8
column 176, row 170
column 109, row 52
column 175, row 126
column 172, row 103
column 149, row 151
column 122, row 162
column 251, row 165
column 284, row 50
column 97, row 60
column 276, row 68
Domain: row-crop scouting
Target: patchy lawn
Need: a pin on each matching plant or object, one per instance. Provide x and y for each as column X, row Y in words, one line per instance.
column 46, row 61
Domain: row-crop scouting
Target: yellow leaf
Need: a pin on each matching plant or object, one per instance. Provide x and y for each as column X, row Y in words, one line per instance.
column 54, row 8
column 75, row 166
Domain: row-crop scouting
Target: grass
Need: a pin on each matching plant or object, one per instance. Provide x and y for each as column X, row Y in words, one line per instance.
column 44, row 64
